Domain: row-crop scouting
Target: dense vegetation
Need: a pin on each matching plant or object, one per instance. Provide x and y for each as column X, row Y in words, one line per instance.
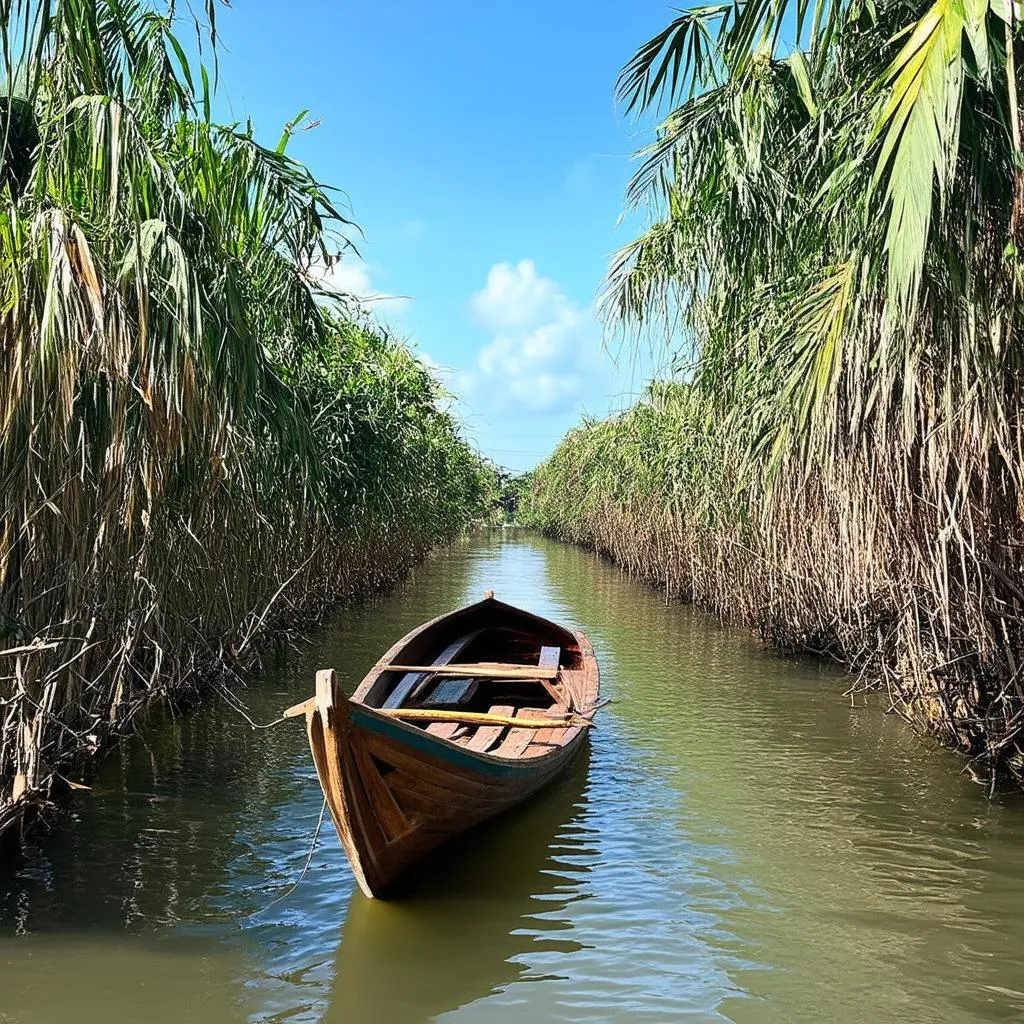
column 834, row 244
column 199, row 447
column 504, row 495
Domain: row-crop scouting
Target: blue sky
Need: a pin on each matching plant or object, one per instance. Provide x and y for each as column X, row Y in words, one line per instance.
column 482, row 155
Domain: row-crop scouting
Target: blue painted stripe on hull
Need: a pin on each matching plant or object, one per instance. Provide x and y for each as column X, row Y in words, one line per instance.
column 428, row 745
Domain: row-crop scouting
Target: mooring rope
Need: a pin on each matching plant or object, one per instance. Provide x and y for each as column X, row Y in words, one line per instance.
column 305, row 867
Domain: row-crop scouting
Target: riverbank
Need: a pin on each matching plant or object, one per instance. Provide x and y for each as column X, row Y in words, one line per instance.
column 845, row 563
column 202, row 444
column 189, row 607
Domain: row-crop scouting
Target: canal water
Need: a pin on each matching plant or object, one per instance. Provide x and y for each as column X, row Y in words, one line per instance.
column 740, row 843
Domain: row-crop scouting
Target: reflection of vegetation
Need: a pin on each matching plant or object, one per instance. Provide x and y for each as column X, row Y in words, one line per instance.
column 837, row 234
column 198, row 446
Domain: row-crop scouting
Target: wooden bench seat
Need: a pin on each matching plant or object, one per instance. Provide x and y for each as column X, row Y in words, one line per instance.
column 549, row 657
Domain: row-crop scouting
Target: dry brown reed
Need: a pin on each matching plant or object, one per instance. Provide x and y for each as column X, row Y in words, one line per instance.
column 200, row 448
column 917, row 589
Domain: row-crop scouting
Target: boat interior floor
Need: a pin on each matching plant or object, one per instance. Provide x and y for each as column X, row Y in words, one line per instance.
column 484, row 692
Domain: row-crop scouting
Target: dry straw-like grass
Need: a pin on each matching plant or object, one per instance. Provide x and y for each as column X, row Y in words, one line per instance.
column 834, row 251
column 848, row 563
column 199, row 450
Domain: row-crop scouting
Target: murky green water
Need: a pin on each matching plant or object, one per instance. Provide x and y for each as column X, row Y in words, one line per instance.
column 739, row 844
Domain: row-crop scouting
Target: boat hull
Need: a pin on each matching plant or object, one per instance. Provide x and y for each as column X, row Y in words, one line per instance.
column 397, row 791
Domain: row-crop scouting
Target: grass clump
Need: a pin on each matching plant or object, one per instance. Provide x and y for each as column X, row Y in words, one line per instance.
column 200, row 448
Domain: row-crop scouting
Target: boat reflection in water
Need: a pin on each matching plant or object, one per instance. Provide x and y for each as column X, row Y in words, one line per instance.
column 461, row 929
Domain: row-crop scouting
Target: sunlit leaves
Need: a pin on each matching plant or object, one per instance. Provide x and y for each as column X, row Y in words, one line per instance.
column 184, row 422
column 678, row 61
column 920, row 125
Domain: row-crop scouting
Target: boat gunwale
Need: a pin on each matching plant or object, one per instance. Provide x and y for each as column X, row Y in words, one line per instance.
column 425, row 740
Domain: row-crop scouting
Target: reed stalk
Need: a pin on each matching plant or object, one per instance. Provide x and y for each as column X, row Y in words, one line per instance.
column 200, row 449
column 834, row 246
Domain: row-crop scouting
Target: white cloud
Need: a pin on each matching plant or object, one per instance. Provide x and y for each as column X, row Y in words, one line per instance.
column 352, row 278
column 542, row 344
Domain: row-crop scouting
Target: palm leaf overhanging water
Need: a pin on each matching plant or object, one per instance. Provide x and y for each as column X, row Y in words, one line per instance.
column 834, row 235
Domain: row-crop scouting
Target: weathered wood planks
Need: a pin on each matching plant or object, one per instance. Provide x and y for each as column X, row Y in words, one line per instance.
column 399, row 781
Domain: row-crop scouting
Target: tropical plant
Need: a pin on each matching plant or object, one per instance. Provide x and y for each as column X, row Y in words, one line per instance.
column 834, row 240
column 199, row 446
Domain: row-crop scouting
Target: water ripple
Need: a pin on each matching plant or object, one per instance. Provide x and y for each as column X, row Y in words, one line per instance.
column 739, row 844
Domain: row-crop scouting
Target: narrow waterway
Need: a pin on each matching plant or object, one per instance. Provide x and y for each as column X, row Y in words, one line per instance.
column 738, row 844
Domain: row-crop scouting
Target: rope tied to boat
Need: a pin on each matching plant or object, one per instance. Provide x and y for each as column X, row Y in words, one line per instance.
column 305, row 867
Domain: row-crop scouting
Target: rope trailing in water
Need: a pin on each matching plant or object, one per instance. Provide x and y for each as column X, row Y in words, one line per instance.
column 305, row 867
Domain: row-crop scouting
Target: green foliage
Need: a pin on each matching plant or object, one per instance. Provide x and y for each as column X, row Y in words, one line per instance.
column 500, row 495
column 833, row 245
column 199, row 448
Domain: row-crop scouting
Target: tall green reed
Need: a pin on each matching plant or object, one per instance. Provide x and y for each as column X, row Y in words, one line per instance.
column 199, row 448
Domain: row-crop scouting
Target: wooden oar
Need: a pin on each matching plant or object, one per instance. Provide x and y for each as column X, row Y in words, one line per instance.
column 466, row 717
column 479, row 718
column 481, row 670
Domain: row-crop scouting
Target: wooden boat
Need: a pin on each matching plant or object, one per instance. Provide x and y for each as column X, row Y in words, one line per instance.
column 464, row 717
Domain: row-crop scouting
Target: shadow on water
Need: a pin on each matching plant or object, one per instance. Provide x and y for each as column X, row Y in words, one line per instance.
column 461, row 929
